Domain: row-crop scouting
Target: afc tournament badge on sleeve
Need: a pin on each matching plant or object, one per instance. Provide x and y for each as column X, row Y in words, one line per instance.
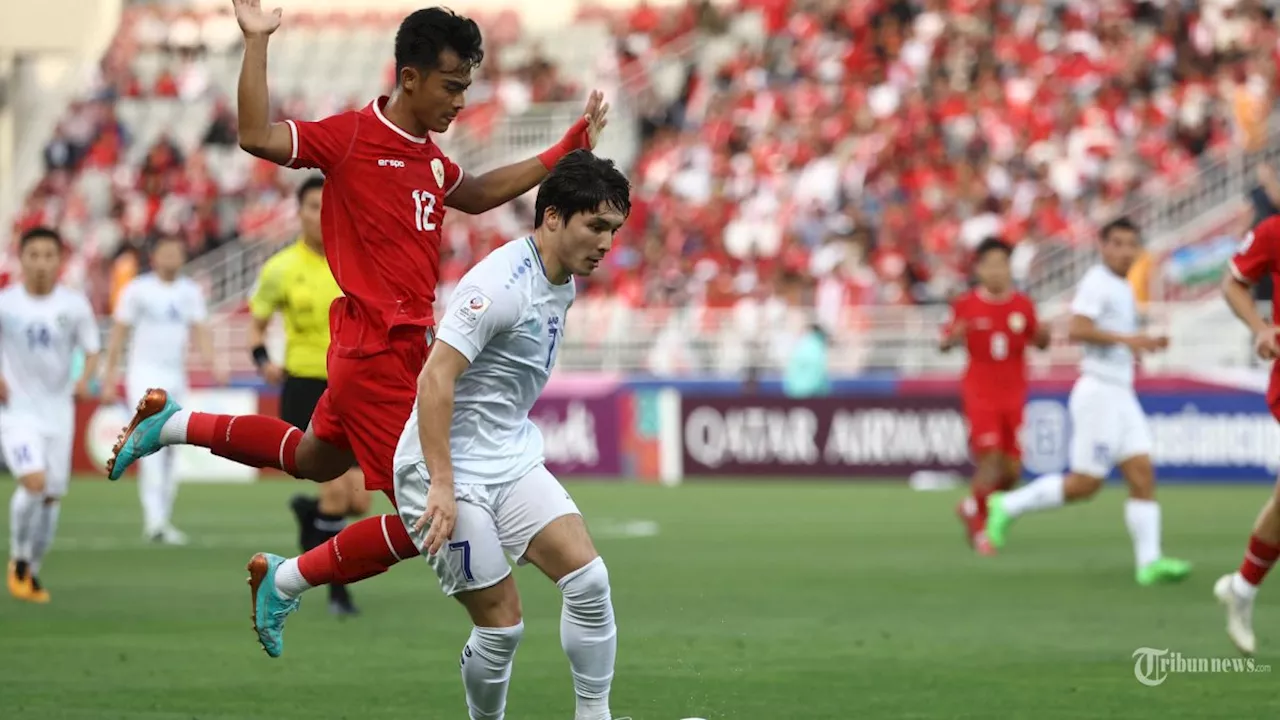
column 476, row 304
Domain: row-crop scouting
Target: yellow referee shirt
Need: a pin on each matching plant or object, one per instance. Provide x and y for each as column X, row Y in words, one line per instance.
column 298, row 283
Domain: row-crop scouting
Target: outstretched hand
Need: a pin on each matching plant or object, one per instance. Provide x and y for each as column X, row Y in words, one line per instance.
column 253, row 19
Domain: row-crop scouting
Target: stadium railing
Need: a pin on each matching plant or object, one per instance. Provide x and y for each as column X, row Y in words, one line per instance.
column 1164, row 218
column 605, row 336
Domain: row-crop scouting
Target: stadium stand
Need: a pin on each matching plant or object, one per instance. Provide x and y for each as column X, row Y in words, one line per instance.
column 792, row 153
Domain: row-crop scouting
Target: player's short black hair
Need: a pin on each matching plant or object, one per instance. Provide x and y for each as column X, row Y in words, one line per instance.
column 579, row 183
column 1120, row 223
column 992, row 244
column 426, row 33
column 40, row 233
column 313, row 182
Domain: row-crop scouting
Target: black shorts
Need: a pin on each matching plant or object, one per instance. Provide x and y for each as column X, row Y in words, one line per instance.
column 298, row 399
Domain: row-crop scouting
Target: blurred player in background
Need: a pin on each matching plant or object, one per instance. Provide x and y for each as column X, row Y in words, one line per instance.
column 1257, row 258
column 470, row 479
column 42, row 324
column 1109, row 428
column 995, row 323
column 297, row 283
column 386, row 189
column 163, row 311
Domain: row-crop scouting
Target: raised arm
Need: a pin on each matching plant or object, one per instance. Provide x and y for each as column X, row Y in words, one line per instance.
column 258, row 136
column 475, row 195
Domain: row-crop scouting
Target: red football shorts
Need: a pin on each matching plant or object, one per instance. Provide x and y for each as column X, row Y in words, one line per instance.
column 994, row 429
column 368, row 401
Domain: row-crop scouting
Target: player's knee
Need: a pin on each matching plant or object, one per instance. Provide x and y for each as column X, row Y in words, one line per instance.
column 495, row 645
column 319, row 461
column 33, row 482
column 494, row 607
column 360, row 502
column 586, row 592
column 1081, row 487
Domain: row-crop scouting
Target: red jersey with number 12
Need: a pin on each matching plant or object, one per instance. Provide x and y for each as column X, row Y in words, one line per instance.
column 999, row 330
column 383, row 210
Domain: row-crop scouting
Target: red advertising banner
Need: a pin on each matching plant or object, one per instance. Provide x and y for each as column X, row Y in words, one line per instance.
column 871, row 437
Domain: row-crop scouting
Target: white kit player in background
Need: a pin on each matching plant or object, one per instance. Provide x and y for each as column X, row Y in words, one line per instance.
column 41, row 326
column 161, row 308
column 1109, row 428
column 470, row 481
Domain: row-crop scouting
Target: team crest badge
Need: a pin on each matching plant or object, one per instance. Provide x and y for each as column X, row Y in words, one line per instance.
column 1017, row 323
column 437, row 169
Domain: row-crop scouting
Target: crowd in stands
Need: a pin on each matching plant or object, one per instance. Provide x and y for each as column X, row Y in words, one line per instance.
column 854, row 150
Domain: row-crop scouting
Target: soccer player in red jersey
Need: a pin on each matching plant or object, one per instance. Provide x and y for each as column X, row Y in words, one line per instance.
column 386, row 189
column 995, row 323
column 1258, row 256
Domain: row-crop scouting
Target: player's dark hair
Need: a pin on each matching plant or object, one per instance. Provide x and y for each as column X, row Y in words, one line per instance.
column 1120, row 223
column 579, row 183
column 992, row 245
column 313, row 182
column 40, row 233
column 426, row 33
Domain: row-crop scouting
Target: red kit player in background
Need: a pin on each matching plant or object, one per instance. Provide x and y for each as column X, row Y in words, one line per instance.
column 995, row 323
column 1258, row 256
column 386, row 188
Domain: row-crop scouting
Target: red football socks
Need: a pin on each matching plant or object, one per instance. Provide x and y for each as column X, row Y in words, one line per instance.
column 255, row 440
column 362, row 550
column 1258, row 559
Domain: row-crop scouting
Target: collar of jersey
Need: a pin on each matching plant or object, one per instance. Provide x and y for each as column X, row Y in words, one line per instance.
column 533, row 247
column 377, row 110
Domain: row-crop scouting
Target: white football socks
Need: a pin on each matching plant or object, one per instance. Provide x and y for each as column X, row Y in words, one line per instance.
column 174, row 431
column 1142, row 517
column 289, row 581
column 45, row 526
column 486, row 669
column 23, row 507
column 157, row 488
column 589, row 637
column 1044, row 493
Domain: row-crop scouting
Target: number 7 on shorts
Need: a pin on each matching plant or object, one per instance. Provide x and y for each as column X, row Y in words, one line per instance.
column 464, row 547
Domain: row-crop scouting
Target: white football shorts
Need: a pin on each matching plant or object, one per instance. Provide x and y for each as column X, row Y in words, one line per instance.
column 1108, row 426
column 29, row 450
column 495, row 522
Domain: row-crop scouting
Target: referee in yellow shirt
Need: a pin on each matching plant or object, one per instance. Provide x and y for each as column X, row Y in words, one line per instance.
column 297, row 283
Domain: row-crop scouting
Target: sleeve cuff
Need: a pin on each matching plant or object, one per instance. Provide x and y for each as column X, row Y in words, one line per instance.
column 1235, row 272
column 458, row 341
column 293, row 137
column 456, row 183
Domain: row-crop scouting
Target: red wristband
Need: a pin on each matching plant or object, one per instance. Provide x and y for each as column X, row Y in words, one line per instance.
column 577, row 138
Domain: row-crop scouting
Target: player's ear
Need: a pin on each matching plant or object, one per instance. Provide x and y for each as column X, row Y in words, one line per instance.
column 410, row 78
column 551, row 218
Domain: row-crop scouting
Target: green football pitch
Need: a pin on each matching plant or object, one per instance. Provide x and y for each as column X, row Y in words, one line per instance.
column 734, row 601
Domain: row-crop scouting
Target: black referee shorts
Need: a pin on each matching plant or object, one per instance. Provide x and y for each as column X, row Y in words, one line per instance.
column 298, row 399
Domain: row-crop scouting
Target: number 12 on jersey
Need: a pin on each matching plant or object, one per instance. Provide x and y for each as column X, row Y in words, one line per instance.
column 424, row 203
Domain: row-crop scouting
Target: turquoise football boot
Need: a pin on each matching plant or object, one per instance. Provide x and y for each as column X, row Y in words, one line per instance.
column 269, row 609
column 142, row 436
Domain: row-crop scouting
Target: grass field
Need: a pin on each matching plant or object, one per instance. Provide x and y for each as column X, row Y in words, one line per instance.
column 739, row 601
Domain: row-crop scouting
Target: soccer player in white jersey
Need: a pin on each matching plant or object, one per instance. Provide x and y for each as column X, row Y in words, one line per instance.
column 162, row 310
column 1109, row 427
column 41, row 326
column 470, row 442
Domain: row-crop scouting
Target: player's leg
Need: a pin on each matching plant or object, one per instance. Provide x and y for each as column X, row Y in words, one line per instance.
column 1141, row 510
column 44, row 527
column 339, row 500
column 984, row 443
column 1237, row 591
column 473, row 568
column 1095, row 424
column 24, row 455
column 540, row 524
column 1010, row 449
column 255, row 440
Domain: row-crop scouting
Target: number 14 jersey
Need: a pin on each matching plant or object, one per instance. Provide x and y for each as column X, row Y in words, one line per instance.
column 508, row 320
column 384, row 197
column 999, row 330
